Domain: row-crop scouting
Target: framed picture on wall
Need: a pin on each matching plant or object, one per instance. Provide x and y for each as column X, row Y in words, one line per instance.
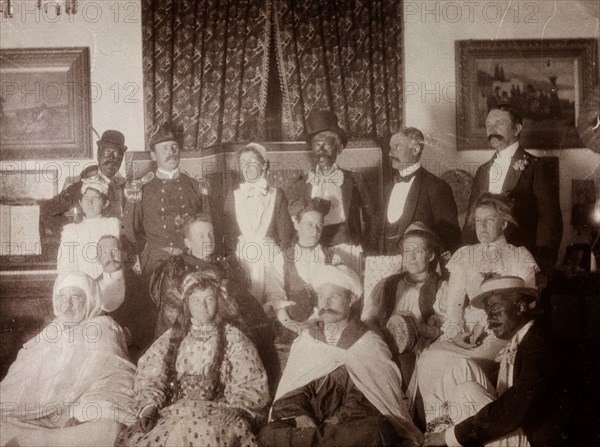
column 45, row 110
column 548, row 79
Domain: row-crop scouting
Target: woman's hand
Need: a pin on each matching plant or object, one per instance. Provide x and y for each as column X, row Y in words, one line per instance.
column 435, row 439
column 463, row 340
column 231, row 416
column 147, row 419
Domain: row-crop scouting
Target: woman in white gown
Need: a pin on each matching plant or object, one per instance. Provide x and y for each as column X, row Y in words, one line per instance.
column 466, row 336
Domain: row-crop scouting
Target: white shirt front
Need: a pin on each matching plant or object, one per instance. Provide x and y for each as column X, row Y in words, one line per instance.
column 329, row 187
column 500, row 168
column 400, row 193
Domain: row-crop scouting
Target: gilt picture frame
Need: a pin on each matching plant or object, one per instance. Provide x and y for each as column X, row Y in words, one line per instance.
column 45, row 107
column 546, row 78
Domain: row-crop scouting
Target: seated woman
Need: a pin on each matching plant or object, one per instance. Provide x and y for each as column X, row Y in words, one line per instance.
column 72, row 384
column 257, row 220
column 167, row 279
column 201, row 383
column 78, row 241
column 407, row 307
column 290, row 297
column 465, row 332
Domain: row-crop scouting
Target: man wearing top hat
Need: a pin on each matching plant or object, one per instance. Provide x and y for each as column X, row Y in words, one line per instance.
column 526, row 408
column 345, row 190
column 111, row 149
column 158, row 203
column 416, row 195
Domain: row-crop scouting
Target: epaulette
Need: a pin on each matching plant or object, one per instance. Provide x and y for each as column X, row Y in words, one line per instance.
column 133, row 188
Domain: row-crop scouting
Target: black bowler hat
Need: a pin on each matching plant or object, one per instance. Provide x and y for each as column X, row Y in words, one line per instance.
column 113, row 137
column 322, row 120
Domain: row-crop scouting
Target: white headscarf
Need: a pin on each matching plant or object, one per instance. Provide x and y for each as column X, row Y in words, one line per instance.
column 87, row 284
column 338, row 275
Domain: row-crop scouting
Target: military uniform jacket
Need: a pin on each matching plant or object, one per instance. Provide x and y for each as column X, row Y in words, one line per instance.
column 156, row 220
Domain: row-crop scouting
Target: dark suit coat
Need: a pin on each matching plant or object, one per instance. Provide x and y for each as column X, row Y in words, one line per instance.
column 534, row 403
column 536, row 208
column 355, row 200
column 430, row 200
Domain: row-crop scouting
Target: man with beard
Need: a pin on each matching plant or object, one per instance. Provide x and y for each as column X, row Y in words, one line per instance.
column 340, row 386
column 158, row 203
column 345, row 190
column 417, row 196
column 111, row 148
column 526, row 180
column 528, row 406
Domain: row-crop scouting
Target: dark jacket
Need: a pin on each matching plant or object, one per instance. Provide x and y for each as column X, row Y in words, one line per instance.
column 536, row 208
column 430, row 200
column 534, row 403
column 355, row 200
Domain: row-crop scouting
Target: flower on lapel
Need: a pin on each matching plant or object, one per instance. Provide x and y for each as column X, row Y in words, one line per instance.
column 521, row 164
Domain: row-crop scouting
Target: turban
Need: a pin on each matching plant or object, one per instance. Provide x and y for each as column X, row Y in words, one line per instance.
column 85, row 283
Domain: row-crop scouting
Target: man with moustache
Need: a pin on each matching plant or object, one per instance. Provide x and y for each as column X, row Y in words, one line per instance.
column 345, row 190
column 416, row 195
column 526, row 407
column 111, row 149
column 158, row 203
column 526, row 180
column 340, row 386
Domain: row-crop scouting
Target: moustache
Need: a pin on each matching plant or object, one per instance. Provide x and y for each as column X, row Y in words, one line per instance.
column 495, row 135
column 172, row 158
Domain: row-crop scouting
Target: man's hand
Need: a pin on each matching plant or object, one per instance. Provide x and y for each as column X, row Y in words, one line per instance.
column 435, row 438
column 147, row 419
column 305, row 421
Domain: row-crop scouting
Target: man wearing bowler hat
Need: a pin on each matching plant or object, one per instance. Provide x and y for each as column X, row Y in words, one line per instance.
column 524, row 409
column 345, row 190
column 111, row 149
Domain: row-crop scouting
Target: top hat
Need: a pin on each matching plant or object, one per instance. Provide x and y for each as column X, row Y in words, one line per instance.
column 165, row 132
column 322, row 120
column 501, row 285
column 113, row 137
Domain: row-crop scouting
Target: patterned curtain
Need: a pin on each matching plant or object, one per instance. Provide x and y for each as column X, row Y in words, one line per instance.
column 343, row 55
column 205, row 68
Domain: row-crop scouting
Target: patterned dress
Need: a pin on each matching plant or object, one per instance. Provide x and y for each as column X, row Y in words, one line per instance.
column 194, row 415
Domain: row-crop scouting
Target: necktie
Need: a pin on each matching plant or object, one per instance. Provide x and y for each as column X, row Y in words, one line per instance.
column 404, row 178
column 507, row 358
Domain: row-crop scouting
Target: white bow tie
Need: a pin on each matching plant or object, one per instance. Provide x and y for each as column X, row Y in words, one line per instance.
column 250, row 189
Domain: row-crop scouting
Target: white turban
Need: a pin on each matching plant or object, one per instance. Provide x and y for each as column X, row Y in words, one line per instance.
column 87, row 284
column 338, row 275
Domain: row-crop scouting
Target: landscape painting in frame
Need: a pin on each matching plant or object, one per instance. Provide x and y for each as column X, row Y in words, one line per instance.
column 546, row 79
column 44, row 103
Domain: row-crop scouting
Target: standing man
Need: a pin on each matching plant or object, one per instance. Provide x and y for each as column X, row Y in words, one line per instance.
column 417, row 195
column 111, row 148
column 526, row 180
column 345, row 190
column 158, row 203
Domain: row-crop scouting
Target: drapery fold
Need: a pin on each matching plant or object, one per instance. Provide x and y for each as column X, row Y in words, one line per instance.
column 342, row 55
column 206, row 65
column 205, row 68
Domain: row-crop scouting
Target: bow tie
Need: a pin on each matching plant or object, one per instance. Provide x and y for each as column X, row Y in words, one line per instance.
column 315, row 177
column 250, row 189
column 404, row 178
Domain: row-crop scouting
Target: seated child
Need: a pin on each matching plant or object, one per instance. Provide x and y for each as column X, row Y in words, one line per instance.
column 79, row 241
column 409, row 304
